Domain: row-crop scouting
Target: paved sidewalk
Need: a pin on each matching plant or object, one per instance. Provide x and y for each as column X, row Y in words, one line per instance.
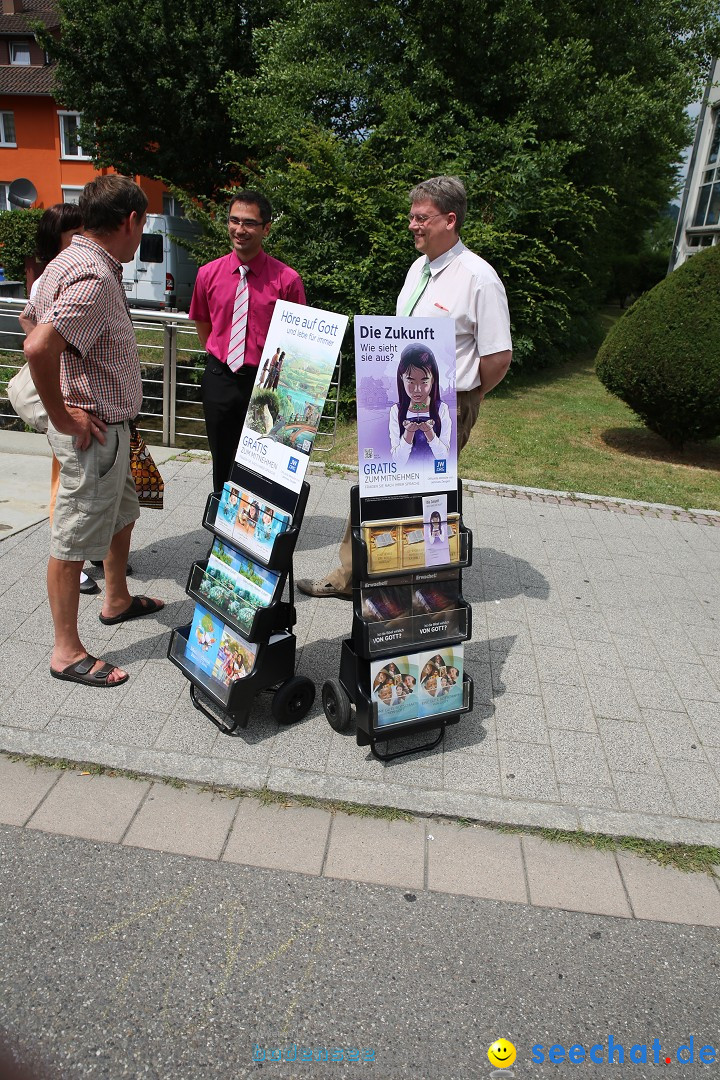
column 595, row 655
column 417, row 855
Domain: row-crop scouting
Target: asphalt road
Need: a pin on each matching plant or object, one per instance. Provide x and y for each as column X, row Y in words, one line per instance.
column 119, row 962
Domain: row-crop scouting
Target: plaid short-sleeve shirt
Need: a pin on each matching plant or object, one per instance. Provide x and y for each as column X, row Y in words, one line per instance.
column 81, row 295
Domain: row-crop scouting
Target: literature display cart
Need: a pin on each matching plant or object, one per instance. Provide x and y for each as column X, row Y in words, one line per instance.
column 240, row 640
column 403, row 667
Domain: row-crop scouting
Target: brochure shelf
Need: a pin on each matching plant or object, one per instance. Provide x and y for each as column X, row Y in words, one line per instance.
column 234, row 700
column 280, row 615
column 385, row 638
column 403, row 666
column 284, row 543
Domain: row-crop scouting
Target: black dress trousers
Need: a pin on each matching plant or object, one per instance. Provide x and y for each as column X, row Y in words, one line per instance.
column 225, row 398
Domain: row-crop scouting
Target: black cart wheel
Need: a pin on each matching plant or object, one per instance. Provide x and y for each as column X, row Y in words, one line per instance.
column 293, row 700
column 336, row 704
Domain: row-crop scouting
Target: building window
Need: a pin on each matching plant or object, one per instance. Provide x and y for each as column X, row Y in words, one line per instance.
column 20, row 53
column 172, row 206
column 71, row 195
column 4, row 204
column 7, row 129
column 708, row 205
column 69, row 128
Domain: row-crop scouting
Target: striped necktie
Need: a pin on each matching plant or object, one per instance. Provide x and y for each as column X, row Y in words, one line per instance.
column 418, row 290
column 238, row 329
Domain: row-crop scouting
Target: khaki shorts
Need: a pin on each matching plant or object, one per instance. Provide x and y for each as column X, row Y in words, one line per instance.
column 96, row 497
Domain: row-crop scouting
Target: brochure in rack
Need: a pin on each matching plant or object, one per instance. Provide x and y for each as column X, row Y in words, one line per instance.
column 237, row 584
column 406, row 405
column 251, row 521
column 292, row 383
column 410, row 687
column 217, row 650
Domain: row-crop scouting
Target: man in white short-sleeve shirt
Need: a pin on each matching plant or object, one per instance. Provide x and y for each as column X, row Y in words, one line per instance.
column 448, row 280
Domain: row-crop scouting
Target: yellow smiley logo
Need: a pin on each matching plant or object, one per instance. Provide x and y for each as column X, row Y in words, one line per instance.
column 501, row 1054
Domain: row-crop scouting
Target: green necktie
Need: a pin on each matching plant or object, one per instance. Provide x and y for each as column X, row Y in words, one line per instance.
column 418, row 291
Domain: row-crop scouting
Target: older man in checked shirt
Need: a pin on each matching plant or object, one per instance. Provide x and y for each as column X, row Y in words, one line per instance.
column 84, row 361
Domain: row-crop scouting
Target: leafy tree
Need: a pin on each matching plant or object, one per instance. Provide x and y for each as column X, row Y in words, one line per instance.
column 145, row 74
column 564, row 119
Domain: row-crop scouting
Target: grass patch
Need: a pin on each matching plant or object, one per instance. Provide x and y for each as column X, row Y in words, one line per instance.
column 560, row 429
column 690, row 858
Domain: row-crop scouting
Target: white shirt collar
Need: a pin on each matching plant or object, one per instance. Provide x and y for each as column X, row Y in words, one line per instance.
column 446, row 258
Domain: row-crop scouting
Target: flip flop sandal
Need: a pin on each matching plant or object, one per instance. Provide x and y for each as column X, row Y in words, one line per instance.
column 139, row 606
column 81, row 672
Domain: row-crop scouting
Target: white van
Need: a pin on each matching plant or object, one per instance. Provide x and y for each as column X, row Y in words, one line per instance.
column 162, row 272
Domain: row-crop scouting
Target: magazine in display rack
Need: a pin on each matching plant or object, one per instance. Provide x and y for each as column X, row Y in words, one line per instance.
column 240, row 639
column 403, row 668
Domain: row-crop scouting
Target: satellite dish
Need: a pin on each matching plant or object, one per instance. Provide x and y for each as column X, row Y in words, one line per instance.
column 21, row 194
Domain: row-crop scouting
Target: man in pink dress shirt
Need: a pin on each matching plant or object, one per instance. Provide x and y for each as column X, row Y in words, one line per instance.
column 226, row 393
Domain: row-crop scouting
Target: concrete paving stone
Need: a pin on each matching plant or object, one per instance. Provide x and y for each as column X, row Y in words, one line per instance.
column 416, row 772
column 476, row 862
column 690, row 612
column 502, row 636
column 673, row 647
column 377, row 851
column 520, row 718
column 695, row 788
column 553, row 630
column 22, row 787
column 712, row 665
column 693, row 681
column 479, row 773
column 515, row 674
column 705, row 640
column 77, row 727
column 558, row 666
column 354, row 762
column 573, row 878
column 587, row 626
column 612, row 699
column 90, row 807
column 568, row 707
column 182, row 821
column 187, row 733
column 628, row 747
column 303, row 746
column 638, row 650
column 588, row 795
column 665, row 894
column 706, row 720
column 642, row 793
column 599, row 658
column 128, row 727
column 527, row 771
column 579, row 757
column 654, row 689
column 623, row 621
column 673, row 736
column 290, row 838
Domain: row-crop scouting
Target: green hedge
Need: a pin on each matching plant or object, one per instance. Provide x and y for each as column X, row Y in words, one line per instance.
column 662, row 358
column 18, row 229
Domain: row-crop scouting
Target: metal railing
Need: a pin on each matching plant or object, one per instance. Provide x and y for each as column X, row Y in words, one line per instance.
column 172, row 364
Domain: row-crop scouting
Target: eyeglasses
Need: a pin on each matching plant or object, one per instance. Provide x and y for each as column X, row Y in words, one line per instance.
column 422, row 219
column 247, row 223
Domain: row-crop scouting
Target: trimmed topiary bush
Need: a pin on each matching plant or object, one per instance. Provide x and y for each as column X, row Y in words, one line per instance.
column 662, row 358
